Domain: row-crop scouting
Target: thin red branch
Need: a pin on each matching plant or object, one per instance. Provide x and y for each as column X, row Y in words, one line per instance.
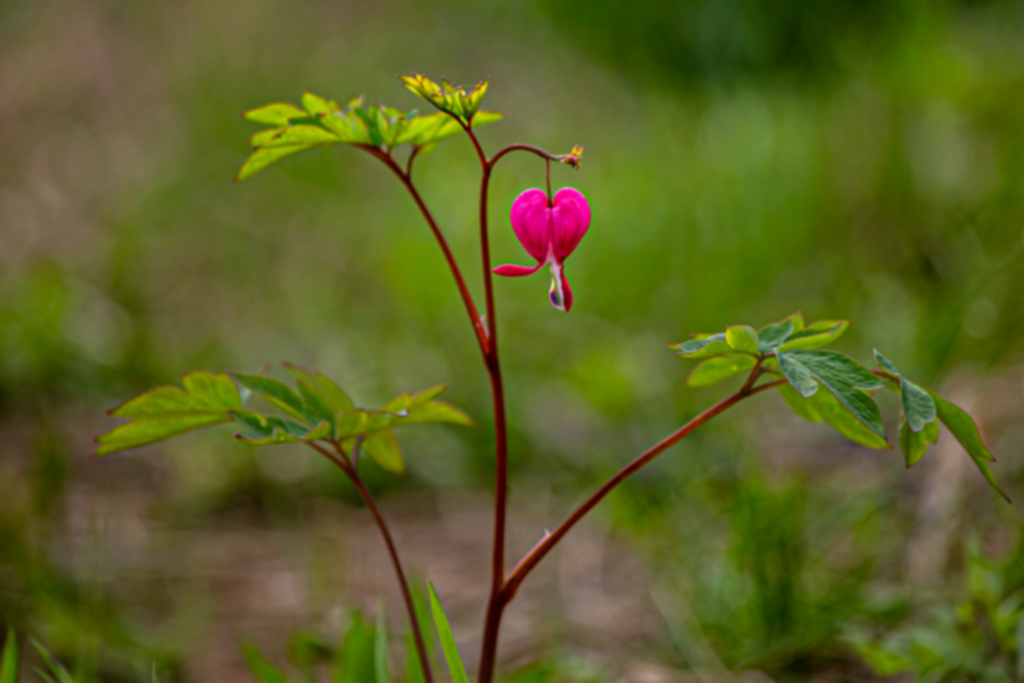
column 453, row 266
column 550, row 540
column 342, row 461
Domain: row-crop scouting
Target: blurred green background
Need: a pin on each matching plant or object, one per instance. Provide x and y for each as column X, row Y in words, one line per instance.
column 745, row 159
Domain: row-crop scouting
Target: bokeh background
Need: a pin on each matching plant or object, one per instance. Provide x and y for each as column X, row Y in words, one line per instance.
column 745, row 159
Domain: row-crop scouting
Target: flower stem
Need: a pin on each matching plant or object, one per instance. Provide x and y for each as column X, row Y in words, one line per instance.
column 467, row 299
column 345, row 465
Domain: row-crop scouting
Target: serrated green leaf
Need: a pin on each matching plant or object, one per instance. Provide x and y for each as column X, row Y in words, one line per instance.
column 260, row 430
column 265, row 156
column 448, row 645
column 262, row 670
column 843, row 421
column 276, row 114
column 741, row 338
column 912, row 444
column 434, row 411
column 798, row 321
column 335, row 396
column 352, row 423
column 803, row 407
column 482, row 118
column 315, row 105
column 798, row 375
column 380, row 647
column 719, row 368
column 963, row 428
column 885, row 363
column 385, row 450
column 703, row 347
column 276, row 393
column 844, row 378
column 918, row 406
column 304, row 136
column 819, row 334
column 9, row 663
column 771, row 336
column 166, row 412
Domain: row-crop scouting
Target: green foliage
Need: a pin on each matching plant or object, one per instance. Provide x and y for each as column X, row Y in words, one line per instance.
column 9, row 659
column 54, row 671
column 380, row 647
column 324, row 123
column 262, row 670
column 450, row 99
column 448, row 645
column 790, row 349
column 979, row 638
column 318, row 410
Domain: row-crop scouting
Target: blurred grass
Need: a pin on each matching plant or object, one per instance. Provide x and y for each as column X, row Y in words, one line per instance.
column 744, row 159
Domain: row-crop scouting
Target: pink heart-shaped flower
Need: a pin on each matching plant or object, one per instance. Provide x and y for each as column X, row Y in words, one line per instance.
column 549, row 232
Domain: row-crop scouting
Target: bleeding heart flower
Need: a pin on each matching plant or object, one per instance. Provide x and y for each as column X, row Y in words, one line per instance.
column 549, row 231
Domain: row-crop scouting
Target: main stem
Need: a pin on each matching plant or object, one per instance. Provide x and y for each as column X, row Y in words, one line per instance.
column 495, row 604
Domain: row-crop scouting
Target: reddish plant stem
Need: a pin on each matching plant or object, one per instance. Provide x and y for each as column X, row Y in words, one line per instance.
column 539, row 551
column 467, row 298
column 345, row 465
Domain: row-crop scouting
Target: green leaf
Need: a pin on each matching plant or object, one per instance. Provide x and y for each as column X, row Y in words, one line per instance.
column 352, row 423
column 448, row 645
column 798, row 321
column 260, row 430
column 805, row 408
column 964, row 430
column 276, row 114
column 714, row 370
column 434, row 411
column 385, row 450
column 845, row 379
column 304, row 136
column 414, row 667
column 276, row 393
column 482, row 118
column 262, row 670
column 705, row 347
column 843, row 421
column 335, row 396
column 265, row 156
column 55, row 671
column 357, row 654
column 798, row 375
column 912, row 444
column 380, row 647
column 165, row 412
column 314, row 104
column 771, row 336
column 815, row 336
column 918, row 406
column 742, row 338
column 9, row 663
column 885, row 363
